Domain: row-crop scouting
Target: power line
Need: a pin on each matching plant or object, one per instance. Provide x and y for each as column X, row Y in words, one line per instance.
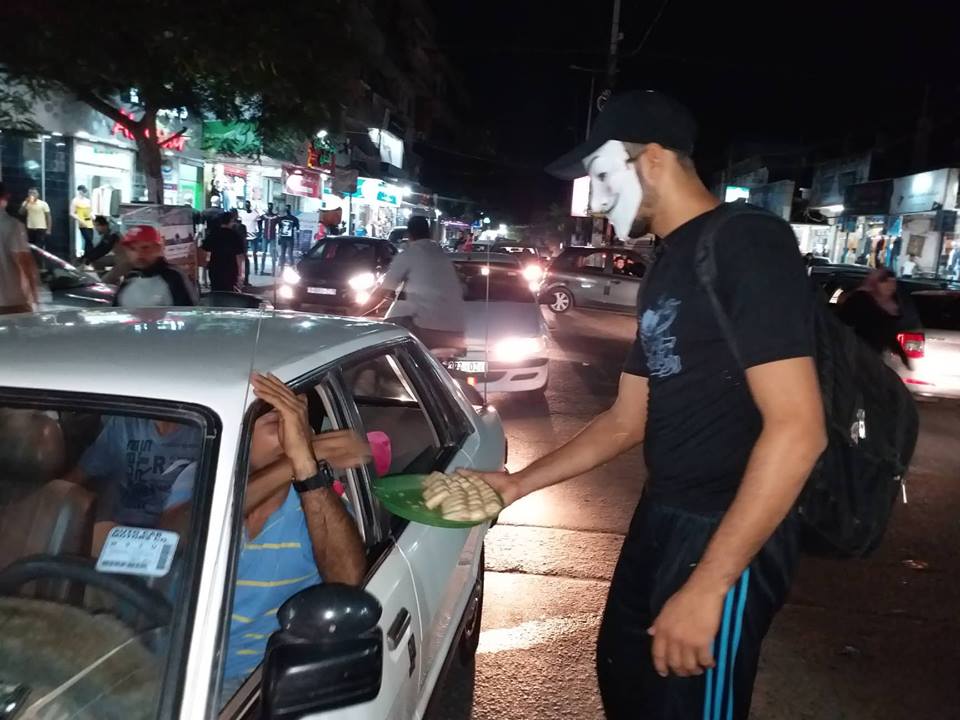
column 643, row 40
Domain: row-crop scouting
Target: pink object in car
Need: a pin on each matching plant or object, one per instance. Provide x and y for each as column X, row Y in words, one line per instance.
column 381, row 451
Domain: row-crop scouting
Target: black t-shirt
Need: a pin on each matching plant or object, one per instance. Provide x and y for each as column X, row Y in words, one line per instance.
column 224, row 245
column 702, row 422
column 289, row 225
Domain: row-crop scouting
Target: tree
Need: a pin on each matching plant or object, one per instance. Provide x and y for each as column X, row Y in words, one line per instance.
column 216, row 59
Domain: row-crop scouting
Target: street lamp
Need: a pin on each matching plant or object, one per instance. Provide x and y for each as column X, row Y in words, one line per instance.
column 322, row 134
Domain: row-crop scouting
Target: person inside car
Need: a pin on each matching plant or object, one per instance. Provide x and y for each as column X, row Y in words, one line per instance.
column 153, row 282
column 132, row 465
column 297, row 530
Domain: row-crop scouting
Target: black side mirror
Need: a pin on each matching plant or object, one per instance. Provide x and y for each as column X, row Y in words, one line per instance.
column 473, row 395
column 328, row 653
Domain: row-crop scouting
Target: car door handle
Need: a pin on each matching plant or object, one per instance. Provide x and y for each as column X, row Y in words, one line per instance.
column 614, row 282
column 398, row 628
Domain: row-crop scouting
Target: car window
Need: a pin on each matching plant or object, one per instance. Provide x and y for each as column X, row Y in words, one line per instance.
column 277, row 549
column 590, row 262
column 938, row 311
column 626, row 264
column 342, row 252
column 97, row 550
column 498, row 284
column 387, row 402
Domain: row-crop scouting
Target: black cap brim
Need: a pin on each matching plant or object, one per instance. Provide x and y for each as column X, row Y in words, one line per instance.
column 569, row 166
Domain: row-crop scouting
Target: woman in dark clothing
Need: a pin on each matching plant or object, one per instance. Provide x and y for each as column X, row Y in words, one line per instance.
column 874, row 313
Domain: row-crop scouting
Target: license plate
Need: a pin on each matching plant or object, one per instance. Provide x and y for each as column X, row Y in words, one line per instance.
column 321, row 291
column 468, row 366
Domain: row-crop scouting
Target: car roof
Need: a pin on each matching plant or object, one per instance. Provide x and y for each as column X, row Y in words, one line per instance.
column 353, row 238
column 483, row 257
column 197, row 355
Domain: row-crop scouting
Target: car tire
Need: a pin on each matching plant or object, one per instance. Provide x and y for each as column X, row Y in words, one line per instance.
column 561, row 300
column 470, row 637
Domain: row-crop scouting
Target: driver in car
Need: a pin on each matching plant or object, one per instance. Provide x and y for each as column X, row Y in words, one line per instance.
column 297, row 530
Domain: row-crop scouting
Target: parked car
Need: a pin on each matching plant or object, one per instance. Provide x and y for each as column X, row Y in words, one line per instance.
column 601, row 278
column 337, row 274
column 154, row 633
column 65, row 286
column 933, row 346
column 506, row 335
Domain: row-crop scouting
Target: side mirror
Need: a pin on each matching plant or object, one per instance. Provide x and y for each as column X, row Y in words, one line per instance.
column 328, row 653
column 473, row 395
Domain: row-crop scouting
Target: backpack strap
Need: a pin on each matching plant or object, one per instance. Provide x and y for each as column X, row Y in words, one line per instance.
column 705, row 261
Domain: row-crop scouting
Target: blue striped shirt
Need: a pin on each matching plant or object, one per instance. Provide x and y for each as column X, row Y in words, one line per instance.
column 274, row 566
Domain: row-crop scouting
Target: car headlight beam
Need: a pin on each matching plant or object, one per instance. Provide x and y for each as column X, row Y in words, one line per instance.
column 362, row 281
column 517, row 349
column 290, row 276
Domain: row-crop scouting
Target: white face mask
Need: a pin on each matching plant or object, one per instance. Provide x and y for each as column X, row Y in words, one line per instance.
column 615, row 188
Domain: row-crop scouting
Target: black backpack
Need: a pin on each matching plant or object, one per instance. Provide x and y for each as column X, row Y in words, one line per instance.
column 872, row 422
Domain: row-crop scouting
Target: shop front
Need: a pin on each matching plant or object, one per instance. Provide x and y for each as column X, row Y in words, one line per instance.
column 862, row 236
column 374, row 209
column 923, row 215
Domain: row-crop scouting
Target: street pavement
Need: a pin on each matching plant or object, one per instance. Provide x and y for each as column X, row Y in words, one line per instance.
column 872, row 639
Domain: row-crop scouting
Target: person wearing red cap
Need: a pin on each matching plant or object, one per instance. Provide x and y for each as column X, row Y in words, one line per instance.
column 152, row 282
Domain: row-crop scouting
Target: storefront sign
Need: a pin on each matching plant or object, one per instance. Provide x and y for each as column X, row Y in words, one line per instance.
column 321, row 157
column 373, row 190
column 345, row 182
column 732, row 193
column 580, row 203
column 871, row 198
column 923, row 192
column 389, row 145
column 831, row 179
column 301, row 182
column 168, row 139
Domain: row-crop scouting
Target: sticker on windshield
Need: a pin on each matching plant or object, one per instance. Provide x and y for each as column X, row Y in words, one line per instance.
column 138, row 551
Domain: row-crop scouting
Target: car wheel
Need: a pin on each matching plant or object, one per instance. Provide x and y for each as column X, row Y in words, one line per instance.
column 470, row 638
column 561, row 301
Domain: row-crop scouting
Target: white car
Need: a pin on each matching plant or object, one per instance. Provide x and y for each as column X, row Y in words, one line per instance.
column 933, row 349
column 506, row 335
column 141, row 632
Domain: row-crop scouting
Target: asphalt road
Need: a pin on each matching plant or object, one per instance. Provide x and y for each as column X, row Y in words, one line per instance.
column 876, row 639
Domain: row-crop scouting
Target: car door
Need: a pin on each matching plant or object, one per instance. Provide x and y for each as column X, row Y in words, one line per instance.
column 402, row 393
column 627, row 270
column 388, row 579
column 588, row 280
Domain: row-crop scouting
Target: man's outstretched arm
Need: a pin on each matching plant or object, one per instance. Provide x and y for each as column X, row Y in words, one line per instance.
column 787, row 394
column 608, row 435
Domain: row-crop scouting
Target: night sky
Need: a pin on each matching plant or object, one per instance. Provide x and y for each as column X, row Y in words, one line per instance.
column 771, row 76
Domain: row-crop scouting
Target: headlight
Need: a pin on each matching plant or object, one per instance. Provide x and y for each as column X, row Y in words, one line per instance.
column 533, row 273
column 363, row 281
column 285, row 292
column 362, row 297
column 515, row 349
column 289, row 275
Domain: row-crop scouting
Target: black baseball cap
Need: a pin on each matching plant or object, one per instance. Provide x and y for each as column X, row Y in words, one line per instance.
column 637, row 116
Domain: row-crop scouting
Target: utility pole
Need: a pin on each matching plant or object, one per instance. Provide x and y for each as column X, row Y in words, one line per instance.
column 614, row 47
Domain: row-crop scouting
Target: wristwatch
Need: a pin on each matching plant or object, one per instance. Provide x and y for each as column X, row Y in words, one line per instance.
column 323, row 479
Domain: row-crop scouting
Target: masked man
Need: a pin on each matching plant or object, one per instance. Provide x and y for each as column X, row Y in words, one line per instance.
column 712, row 546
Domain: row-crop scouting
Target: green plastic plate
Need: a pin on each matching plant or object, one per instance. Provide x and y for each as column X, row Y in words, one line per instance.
column 403, row 495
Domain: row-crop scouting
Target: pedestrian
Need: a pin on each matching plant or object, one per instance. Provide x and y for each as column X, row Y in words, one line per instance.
column 250, row 220
column 152, row 281
column 81, row 210
column 429, row 297
column 873, row 311
column 37, row 214
column 288, row 231
column 713, row 543
column 226, row 251
column 19, row 282
column 910, row 267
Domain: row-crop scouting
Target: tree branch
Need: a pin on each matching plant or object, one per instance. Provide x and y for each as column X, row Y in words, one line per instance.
column 167, row 141
column 105, row 108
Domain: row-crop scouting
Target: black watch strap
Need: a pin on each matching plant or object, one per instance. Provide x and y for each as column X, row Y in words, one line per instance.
column 323, row 479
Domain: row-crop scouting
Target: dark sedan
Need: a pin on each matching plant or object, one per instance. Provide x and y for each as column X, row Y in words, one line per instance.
column 64, row 286
column 337, row 274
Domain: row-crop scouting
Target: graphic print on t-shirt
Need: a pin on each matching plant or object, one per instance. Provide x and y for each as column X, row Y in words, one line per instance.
column 658, row 344
column 286, row 228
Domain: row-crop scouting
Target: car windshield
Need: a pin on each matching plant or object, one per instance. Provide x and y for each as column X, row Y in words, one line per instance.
column 506, row 284
column 95, row 522
column 344, row 251
column 938, row 311
column 58, row 274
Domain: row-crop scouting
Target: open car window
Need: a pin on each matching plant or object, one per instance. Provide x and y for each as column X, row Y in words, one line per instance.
column 100, row 524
